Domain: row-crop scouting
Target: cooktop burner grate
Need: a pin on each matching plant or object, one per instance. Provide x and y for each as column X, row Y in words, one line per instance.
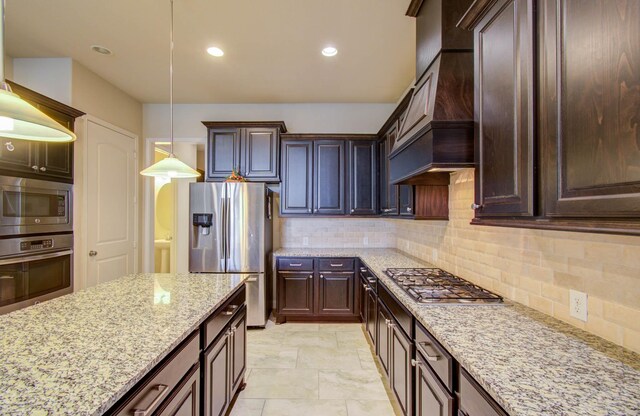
column 431, row 285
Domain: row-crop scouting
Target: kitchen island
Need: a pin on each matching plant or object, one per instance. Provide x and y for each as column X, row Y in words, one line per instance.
column 529, row 363
column 81, row 353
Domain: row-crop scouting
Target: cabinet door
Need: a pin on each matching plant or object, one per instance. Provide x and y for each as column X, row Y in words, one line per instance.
column 389, row 195
column 432, row 399
column 336, row 295
column 372, row 301
column 295, row 293
column 362, row 292
column 400, row 375
column 296, row 193
column 18, row 156
column 239, row 350
column 217, row 377
column 55, row 160
column 363, row 178
column 589, row 100
column 261, row 147
column 329, row 177
column 406, row 200
column 186, row 400
column 382, row 342
column 504, row 110
column 223, row 153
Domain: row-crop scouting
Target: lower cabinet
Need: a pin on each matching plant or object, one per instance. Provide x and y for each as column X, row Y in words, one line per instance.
column 382, row 342
column 371, row 300
column 400, row 368
column 186, row 401
column 336, row 294
column 224, row 365
column 295, row 293
column 432, row 399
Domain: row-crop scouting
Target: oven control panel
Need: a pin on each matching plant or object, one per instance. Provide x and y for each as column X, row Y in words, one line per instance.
column 36, row 244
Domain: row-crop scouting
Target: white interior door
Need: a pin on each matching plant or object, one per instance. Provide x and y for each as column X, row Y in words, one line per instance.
column 111, row 203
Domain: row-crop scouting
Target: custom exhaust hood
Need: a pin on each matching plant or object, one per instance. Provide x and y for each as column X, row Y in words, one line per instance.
column 437, row 132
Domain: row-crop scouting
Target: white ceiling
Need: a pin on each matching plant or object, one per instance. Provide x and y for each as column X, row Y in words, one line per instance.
column 272, row 47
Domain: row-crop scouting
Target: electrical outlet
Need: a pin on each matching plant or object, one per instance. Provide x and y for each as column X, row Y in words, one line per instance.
column 578, row 304
column 365, row 240
column 305, row 241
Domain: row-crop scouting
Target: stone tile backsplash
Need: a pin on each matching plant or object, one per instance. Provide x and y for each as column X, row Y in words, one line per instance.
column 533, row 267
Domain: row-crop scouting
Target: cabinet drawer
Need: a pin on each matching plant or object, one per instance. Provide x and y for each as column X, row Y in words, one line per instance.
column 403, row 317
column 214, row 325
column 436, row 356
column 474, row 400
column 337, row 264
column 148, row 396
column 296, row 264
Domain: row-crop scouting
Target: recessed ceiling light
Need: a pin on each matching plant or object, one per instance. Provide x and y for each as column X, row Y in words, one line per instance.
column 329, row 51
column 101, row 50
column 213, row 51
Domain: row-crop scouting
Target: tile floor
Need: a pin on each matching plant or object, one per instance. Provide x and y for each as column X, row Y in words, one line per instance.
column 312, row 370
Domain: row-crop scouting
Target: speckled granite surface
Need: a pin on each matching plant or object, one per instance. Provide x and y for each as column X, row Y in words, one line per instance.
column 530, row 363
column 78, row 354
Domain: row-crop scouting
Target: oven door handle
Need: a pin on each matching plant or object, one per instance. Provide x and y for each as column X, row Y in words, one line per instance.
column 25, row 259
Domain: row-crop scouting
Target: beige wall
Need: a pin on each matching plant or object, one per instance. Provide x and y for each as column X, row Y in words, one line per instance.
column 533, row 267
column 8, row 67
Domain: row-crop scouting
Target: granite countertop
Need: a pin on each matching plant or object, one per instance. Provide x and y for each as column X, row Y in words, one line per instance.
column 80, row 353
column 529, row 362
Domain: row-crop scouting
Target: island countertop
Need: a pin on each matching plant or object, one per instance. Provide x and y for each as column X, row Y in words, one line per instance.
column 80, row 353
column 530, row 363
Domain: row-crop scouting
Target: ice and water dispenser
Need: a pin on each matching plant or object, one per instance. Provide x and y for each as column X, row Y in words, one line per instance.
column 203, row 222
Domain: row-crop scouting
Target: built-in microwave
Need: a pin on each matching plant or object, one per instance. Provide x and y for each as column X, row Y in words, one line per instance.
column 31, row 206
column 34, row 269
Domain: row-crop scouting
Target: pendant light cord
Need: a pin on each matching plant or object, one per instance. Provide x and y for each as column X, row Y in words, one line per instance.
column 170, row 78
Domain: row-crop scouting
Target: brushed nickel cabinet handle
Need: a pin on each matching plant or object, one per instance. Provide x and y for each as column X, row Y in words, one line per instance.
column 162, row 390
column 227, row 313
column 335, row 264
column 295, row 264
column 429, row 351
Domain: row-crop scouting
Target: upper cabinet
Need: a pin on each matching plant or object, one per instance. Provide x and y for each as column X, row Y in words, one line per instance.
column 252, row 149
column 40, row 160
column 557, row 124
column 504, row 134
column 329, row 175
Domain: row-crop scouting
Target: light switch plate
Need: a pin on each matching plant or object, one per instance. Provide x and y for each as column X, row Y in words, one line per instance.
column 305, row 241
column 365, row 240
column 578, row 304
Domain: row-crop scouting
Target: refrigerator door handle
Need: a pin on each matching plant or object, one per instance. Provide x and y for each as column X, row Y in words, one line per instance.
column 224, row 227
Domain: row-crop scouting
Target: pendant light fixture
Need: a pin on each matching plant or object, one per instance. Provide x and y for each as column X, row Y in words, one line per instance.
column 18, row 118
column 171, row 167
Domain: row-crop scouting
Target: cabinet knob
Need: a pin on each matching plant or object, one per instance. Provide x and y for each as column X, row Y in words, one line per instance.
column 321, row 276
column 316, row 210
column 475, row 206
column 34, row 167
column 309, row 210
column 353, row 210
column 388, row 322
column 43, row 169
column 415, row 362
column 10, row 147
column 310, row 276
column 409, row 209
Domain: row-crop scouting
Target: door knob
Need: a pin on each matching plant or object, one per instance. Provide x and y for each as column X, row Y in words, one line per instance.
column 93, row 253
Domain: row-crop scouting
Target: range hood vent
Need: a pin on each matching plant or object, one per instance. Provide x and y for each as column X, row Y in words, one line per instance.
column 437, row 132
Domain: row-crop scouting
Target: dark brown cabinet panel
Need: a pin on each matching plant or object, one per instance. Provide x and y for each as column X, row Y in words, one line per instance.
column 40, row 160
column 261, row 153
column 474, row 401
column 432, row 399
column 406, row 203
column 504, row 110
column 388, row 192
column 295, row 293
column 186, row 400
column 252, row 149
column 589, row 108
column 362, row 289
column 239, row 349
column 400, row 369
column 217, row 376
column 363, row 198
column 223, row 153
column 372, row 310
column 296, row 192
column 383, row 350
column 329, row 177
column 336, row 293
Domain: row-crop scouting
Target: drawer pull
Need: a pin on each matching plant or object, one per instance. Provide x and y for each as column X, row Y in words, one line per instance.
column 363, row 269
column 162, row 390
column 227, row 313
column 430, row 352
column 295, row 264
column 336, row 264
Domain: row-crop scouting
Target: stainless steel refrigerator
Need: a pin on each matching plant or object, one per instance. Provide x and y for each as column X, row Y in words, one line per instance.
column 231, row 232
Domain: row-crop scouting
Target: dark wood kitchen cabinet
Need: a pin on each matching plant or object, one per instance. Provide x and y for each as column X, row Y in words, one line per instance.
column 400, row 368
column 40, row 160
column 473, row 400
column 504, row 110
column 363, row 178
column 383, row 331
column 329, row 177
column 432, row 399
column 186, row 400
column 322, row 289
column 296, row 191
column 590, row 108
column 251, row 148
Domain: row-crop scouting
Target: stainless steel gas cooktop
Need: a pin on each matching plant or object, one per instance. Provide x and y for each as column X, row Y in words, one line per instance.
column 438, row 286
